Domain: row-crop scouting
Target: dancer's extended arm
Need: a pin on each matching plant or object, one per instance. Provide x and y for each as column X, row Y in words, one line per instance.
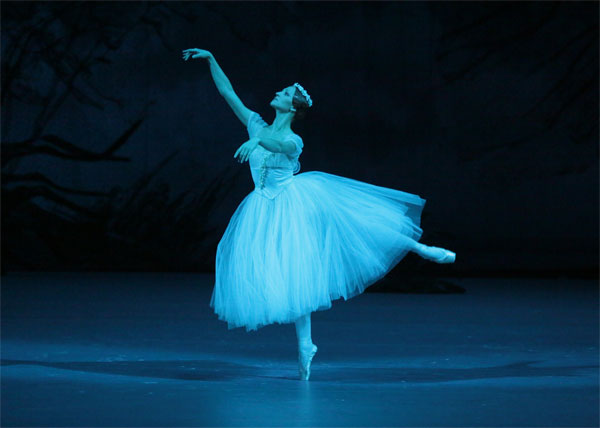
column 222, row 82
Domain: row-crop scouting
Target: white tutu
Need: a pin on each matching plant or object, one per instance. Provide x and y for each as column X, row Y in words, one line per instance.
column 296, row 243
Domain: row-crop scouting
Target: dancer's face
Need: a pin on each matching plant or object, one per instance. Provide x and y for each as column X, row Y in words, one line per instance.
column 283, row 99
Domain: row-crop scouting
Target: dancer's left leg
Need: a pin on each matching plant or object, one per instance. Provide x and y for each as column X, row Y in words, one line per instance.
column 306, row 349
column 303, row 329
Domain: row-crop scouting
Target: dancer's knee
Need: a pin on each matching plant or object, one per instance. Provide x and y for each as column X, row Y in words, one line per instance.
column 303, row 318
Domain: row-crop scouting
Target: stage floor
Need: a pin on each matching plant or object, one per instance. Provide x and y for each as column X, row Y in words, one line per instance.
column 145, row 349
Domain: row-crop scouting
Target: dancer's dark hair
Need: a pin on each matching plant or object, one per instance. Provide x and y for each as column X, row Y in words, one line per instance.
column 300, row 104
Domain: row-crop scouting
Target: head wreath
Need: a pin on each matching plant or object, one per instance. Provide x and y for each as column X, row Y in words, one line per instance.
column 303, row 91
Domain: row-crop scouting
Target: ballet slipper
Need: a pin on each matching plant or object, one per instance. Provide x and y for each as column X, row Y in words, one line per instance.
column 436, row 254
column 305, row 355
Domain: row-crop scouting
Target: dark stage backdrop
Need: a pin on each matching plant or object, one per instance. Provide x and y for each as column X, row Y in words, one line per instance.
column 118, row 155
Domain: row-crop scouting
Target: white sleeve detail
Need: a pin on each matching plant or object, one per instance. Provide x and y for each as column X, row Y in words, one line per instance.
column 298, row 143
column 255, row 122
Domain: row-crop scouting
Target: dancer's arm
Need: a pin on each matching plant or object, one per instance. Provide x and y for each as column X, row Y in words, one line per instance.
column 268, row 143
column 271, row 144
column 276, row 146
column 222, row 82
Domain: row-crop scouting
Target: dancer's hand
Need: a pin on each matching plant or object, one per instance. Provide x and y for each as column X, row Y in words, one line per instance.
column 245, row 149
column 195, row 53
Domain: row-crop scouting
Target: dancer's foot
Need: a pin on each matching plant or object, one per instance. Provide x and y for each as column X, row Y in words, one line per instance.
column 306, row 352
column 435, row 254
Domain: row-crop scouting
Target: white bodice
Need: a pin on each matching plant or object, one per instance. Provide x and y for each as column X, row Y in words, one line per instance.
column 271, row 172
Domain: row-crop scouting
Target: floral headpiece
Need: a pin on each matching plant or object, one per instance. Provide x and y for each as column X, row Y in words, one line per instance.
column 303, row 91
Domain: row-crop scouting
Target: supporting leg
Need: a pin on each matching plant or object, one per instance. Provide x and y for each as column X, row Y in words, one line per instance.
column 306, row 349
column 303, row 330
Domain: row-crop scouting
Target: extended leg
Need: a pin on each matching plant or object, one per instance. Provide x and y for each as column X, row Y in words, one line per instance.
column 435, row 254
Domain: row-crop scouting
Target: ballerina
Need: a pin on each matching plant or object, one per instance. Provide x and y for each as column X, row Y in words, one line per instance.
column 298, row 241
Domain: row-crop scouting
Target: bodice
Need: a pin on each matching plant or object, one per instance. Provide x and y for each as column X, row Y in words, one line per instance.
column 271, row 172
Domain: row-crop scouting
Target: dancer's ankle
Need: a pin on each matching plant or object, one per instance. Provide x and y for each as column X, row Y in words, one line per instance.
column 303, row 343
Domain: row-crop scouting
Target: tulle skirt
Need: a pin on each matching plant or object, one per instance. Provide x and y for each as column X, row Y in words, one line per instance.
column 322, row 238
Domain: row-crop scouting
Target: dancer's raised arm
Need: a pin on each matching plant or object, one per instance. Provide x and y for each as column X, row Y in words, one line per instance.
column 222, row 82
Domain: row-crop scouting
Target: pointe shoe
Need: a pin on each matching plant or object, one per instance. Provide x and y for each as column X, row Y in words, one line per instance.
column 436, row 254
column 305, row 356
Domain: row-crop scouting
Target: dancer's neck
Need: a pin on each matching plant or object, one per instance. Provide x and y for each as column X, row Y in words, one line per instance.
column 282, row 122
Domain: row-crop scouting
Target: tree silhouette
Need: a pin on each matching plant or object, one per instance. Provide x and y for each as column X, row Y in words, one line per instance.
column 50, row 54
column 478, row 39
